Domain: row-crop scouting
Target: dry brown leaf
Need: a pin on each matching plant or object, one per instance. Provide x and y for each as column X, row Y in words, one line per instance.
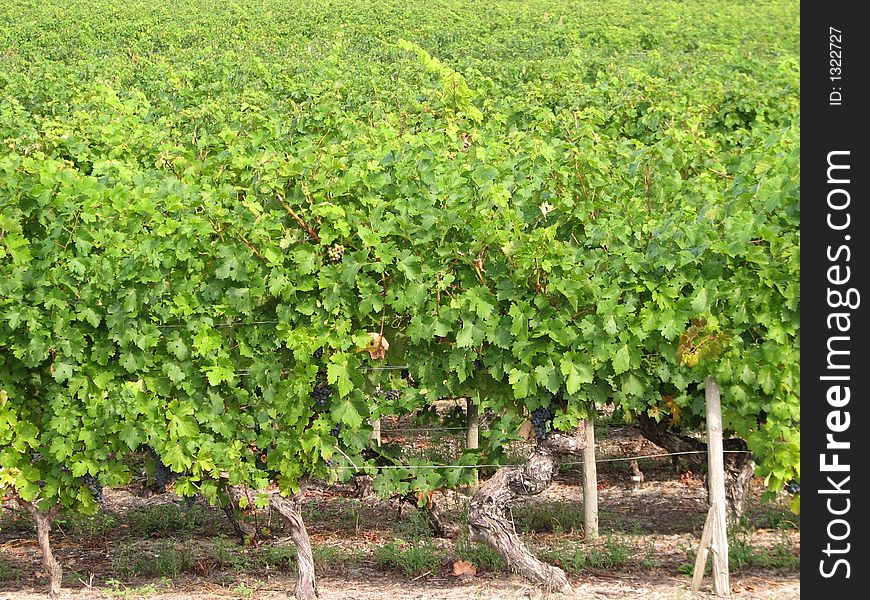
column 527, row 430
column 377, row 346
column 463, row 567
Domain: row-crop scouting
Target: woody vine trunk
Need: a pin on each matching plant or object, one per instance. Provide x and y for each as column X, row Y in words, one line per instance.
column 291, row 510
column 43, row 528
column 489, row 519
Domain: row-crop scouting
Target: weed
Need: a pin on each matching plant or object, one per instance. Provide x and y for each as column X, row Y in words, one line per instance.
column 89, row 527
column 118, row 589
column 280, row 557
column 411, row 559
column 165, row 560
column 243, row 590
column 650, row 561
column 555, row 517
column 413, row 526
column 324, row 556
column 781, row 518
column 742, row 554
column 481, row 556
column 167, row 519
column 17, row 522
column 614, row 553
column 8, row 571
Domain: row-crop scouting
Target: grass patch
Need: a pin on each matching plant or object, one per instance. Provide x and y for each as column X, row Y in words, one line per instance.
column 614, row 553
column 780, row 518
column 411, row 559
column 332, row 559
column 117, row 589
column 8, row 571
column 168, row 519
column 555, row 517
column 743, row 554
column 88, row 527
column 413, row 526
column 345, row 515
column 480, row 555
column 17, row 522
column 164, row 560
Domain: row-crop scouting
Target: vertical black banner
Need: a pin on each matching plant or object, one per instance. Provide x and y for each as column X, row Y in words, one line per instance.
column 834, row 231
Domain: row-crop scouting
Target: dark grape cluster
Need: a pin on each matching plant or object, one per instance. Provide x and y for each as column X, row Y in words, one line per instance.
column 321, row 393
column 318, row 354
column 478, row 365
column 334, row 253
column 406, row 375
column 793, row 487
column 388, row 394
column 162, row 475
column 95, row 488
column 335, row 431
column 542, row 420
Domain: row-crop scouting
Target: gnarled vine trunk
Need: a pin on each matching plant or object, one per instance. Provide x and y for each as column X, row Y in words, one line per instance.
column 489, row 518
column 739, row 463
column 43, row 527
column 291, row 510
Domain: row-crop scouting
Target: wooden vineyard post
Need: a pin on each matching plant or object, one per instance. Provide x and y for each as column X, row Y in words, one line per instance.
column 590, row 485
column 472, row 431
column 376, row 431
column 715, row 535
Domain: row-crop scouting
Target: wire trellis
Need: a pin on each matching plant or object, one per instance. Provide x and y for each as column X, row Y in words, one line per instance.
column 496, row 465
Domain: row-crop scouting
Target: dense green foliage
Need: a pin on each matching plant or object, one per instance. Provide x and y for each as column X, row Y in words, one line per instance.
column 198, row 195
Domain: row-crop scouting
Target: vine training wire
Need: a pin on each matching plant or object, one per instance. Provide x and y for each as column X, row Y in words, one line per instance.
column 493, row 465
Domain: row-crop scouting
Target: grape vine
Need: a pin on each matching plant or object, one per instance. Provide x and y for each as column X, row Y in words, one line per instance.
column 196, row 246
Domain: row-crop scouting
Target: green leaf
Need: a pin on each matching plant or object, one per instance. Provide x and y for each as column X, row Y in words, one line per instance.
column 621, row 360
column 337, row 373
column 63, row 371
column 546, row 376
column 469, row 336
column 521, row 382
column 345, row 412
column 699, row 304
column 182, row 426
column 576, row 374
column 175, row 458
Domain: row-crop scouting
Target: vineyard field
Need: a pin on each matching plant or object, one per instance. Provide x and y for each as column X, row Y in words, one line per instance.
column 238, row 237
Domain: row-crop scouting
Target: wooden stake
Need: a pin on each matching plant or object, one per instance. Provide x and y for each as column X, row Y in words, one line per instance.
column 472, row 432
column 716, row 481
column 703, row 547
column 590, row 485
column 376, row 431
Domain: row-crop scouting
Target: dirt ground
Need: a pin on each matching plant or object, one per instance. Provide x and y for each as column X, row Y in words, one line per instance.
column 664, row 587
column 656, row 528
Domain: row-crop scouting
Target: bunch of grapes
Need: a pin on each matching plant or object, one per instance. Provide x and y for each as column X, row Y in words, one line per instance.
column 318, row 354
column 542, row 420
column 334, row 253
column 95, row 488
column 162, row 475
column 321, row 393
column 387, row 394
column 335, row 431
column 478, row 365
column 406, row 375
column 793, row 487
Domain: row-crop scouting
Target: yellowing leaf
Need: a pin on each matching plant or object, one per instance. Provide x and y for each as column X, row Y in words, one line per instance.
column 377, row 346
